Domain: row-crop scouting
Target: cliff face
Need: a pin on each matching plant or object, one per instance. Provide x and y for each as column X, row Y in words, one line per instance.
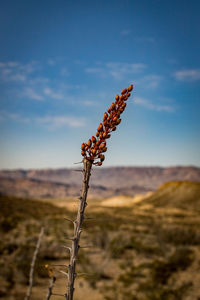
column 105, row 182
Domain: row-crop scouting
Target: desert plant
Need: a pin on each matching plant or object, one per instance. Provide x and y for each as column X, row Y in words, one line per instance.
column 92, row 153
column 29, row 291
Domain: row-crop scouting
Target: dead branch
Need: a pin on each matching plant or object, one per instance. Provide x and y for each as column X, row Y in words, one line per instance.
column 29, row 291
column 50, row 289
column 87, row 165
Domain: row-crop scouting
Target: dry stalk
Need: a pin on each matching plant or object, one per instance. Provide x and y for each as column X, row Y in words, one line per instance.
column 50, row 288
column 35, row 254
column 87, row 165
column 92, row 153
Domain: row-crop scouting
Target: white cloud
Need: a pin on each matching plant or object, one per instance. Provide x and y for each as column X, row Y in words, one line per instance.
column 13, row 64
column 55, row 95
column 149, row 81
column 51, row 62
column 125, row 32
column 152, row 106
column 17, row 77
column 5, row 116
column 54, row 122
column 88, row 103
column 15, row 71
column 49, row 121
column 172, row 61
column 187, row 75
column 145, row 39
column 116, row 69
column 38, row 80
column 95, row 70
column 119, row 70
column 32, row 94
column 64, row 72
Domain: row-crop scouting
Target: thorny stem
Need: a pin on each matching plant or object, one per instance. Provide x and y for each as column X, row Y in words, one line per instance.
column 50, row 288
column 29, row 291
column 87, row 165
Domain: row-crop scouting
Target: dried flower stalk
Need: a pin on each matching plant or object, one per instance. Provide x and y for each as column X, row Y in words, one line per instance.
column 92, row 153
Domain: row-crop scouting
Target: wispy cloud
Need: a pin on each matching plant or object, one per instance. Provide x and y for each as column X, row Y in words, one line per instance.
column 88, row 102
column 95, row 70
column 15, row 71
column 32, row 94
column 51, row 62
column 52, row 94
column 38, row 80
column 116, row 69
column 7, row 116
column 48, row 121
column 125, row 32
column 54, row 122
column 187, row 75
column 151, row 81
column 144, row 39
column 153, row 106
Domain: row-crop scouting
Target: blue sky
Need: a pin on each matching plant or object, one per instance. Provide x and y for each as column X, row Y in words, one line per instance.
column 62, row 63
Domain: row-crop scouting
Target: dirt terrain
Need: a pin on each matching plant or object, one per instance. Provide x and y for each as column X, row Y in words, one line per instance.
column 141, row 247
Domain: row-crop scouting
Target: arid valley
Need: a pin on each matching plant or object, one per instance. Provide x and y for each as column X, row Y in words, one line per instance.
column 143, row 237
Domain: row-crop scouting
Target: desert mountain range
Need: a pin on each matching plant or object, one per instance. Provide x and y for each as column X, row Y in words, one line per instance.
column 105, row 182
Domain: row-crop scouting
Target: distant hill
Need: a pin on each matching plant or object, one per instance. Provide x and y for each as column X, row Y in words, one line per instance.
column 105, row 182
column 177, row 194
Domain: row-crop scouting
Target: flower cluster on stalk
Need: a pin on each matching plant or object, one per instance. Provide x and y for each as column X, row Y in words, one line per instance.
column 95, row 147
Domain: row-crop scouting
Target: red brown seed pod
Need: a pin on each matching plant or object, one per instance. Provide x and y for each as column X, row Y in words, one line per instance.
column 104, row 122
column 102, row 157
column 102, row 145
column 104, row 134
column 104, row 149
column 108, row 119
column 98, row 143
column 118, row 113
column 93, row 151
column 105, row 115
column 94, row 139
column 130, row 88
column 124, row 91
column 112, row 106
column 118, row 121
column 100, row 128
column 101, row 135
column 89, row 143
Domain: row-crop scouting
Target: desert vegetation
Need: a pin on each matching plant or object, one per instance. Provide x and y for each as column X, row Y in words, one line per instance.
column 144, row 251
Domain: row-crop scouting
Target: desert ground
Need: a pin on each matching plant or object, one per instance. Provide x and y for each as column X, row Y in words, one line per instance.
column 145, row 247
